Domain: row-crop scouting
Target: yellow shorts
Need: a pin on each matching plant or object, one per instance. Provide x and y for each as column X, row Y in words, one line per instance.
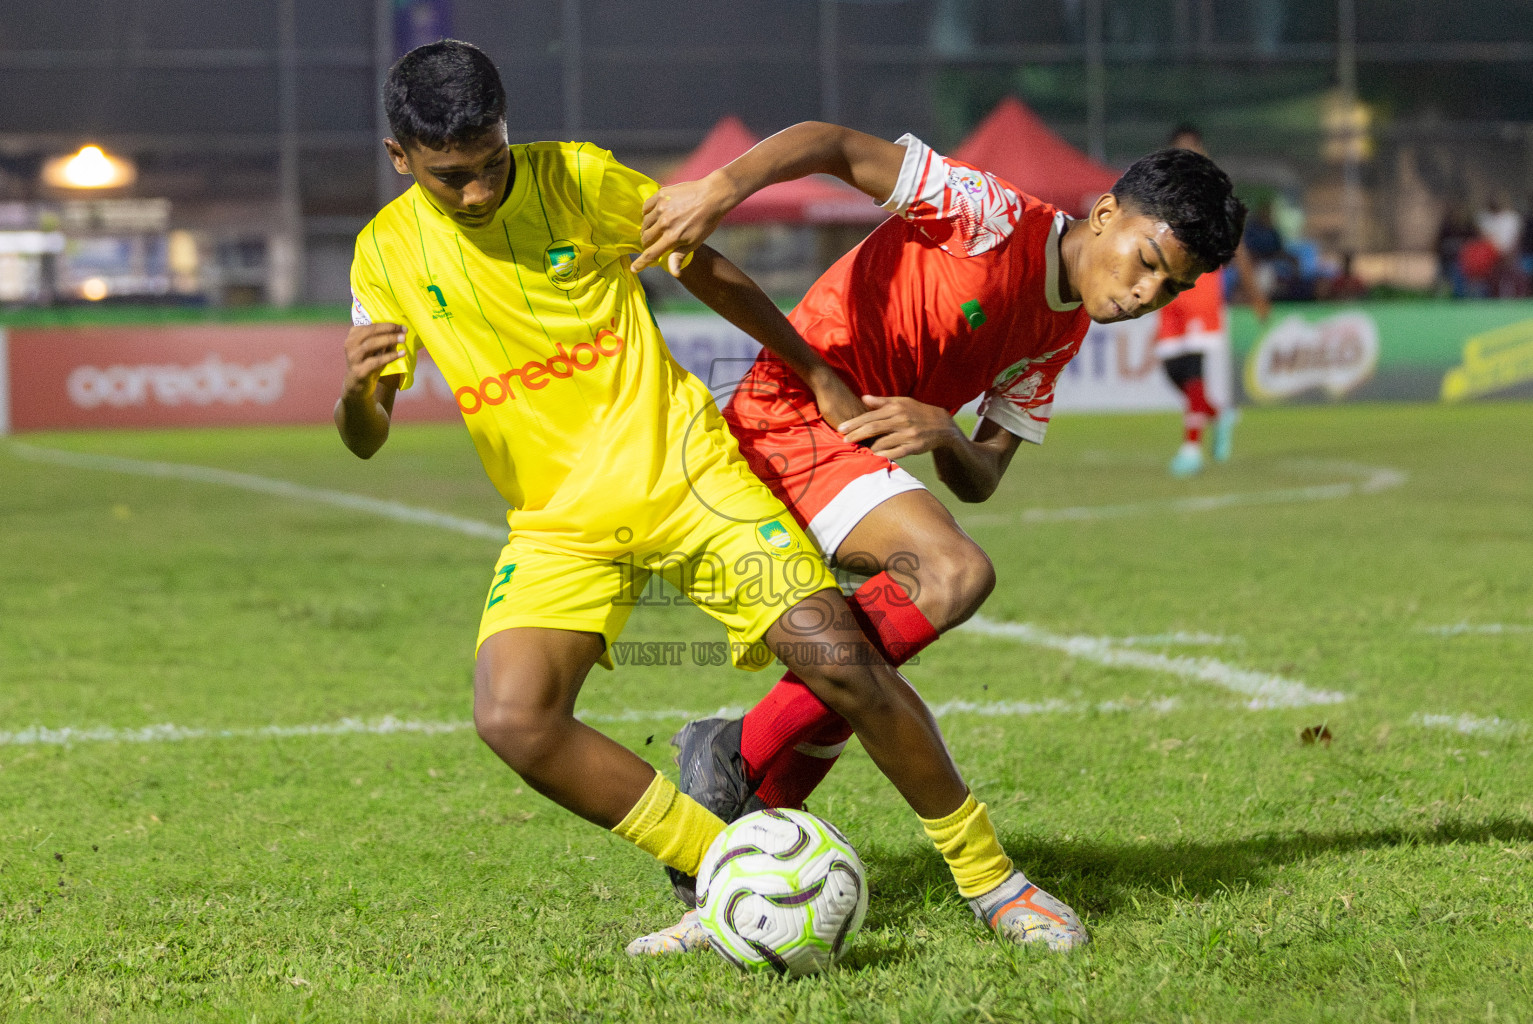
column 745, row 571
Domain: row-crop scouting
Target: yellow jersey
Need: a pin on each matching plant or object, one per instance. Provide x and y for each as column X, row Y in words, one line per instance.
column 597, row 438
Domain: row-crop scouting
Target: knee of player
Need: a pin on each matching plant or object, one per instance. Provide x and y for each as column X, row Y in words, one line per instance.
column 851, row 686
column 524, row 737
column 955, row 583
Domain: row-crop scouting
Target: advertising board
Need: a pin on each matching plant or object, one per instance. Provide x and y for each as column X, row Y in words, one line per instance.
column 91, row 378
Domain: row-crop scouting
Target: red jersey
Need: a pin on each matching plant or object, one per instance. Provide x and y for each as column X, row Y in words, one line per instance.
column 1199, row 308
column 955, row 296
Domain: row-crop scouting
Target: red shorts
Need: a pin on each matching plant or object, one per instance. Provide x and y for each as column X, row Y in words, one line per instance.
column 827, row 483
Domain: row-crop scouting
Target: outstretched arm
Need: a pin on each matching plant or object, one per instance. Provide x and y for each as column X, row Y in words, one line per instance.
column 971, row 467
column 367, row 400
column 679, row 217
column 727, row 290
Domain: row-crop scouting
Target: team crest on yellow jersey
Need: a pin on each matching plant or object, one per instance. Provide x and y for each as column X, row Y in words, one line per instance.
column 563, row 263
column 779, row 540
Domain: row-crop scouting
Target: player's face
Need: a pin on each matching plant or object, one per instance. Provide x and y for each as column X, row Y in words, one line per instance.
column 466, row 180
column 1130, row 265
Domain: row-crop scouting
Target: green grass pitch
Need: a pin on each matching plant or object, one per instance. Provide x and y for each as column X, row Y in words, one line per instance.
column 1228, row 871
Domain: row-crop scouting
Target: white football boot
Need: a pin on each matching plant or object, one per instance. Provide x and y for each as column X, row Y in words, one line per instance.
column 1188, row 460
column 685, row 936
column 1021, row 912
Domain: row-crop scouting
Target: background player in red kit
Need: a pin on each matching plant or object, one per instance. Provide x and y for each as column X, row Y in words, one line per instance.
column 972, row 288
column 1188, row 330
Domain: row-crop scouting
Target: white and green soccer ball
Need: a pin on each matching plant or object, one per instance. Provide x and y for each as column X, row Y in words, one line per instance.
column 783, row 891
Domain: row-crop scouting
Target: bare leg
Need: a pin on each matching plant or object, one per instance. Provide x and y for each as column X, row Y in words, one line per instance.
column 525, row 685
column 791, row 738
column 915, row 539
column 894, row 725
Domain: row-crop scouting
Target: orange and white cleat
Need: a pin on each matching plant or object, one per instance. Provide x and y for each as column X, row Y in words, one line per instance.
column 1021, row 912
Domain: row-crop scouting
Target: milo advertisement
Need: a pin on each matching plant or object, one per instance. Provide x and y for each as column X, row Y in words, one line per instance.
column 1452, row 350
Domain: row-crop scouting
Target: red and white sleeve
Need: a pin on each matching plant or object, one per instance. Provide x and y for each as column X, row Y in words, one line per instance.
column 965, row 210
column 1022, row 397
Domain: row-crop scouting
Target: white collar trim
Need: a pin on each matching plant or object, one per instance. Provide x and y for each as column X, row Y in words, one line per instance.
column 1051, row 258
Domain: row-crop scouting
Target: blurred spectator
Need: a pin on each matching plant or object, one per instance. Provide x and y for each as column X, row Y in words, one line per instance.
column 1500, row 225
column 1346, row 286
column 1525, row 255
column 1478, row 269
column 1276, row 270
column 1262, row 237
column 1456, row 230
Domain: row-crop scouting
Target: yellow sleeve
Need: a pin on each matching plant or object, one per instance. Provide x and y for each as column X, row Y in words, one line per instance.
column 619, row 214
column 373, row 301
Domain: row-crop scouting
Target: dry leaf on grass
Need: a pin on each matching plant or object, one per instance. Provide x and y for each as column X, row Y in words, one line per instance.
column 1315, row 734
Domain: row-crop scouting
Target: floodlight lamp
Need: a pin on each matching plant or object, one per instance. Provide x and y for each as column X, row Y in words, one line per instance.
column 92, row 167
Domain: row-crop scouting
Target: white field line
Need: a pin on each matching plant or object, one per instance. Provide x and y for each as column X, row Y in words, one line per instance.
column 1263, row 689
column 263, row 485
column 1371, row 480
column 389, row 725
column 1483, row 629
column 1470, row 725
column 167, row 733
column 1177, row 639
column 1027, row 709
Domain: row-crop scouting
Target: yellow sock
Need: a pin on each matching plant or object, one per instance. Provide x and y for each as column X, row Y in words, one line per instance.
column 967, row 841
column 671, row 826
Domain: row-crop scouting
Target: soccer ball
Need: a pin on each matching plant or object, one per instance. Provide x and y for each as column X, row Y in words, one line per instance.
column 783, row 891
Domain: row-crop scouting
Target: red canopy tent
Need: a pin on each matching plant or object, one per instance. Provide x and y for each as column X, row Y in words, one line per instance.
column 816, row 200
column 1013, row 143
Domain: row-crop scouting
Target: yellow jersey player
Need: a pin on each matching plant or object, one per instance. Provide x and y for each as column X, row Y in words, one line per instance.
column 510, row 265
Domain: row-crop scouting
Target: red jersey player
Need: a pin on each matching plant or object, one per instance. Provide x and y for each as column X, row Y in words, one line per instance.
column 972, row 288
column 1188, row 329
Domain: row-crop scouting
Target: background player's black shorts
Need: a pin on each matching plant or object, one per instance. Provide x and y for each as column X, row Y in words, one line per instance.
column 1184, row 368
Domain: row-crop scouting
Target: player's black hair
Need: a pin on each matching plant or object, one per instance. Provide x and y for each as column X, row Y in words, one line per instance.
column 1192, row 196
column 443, row 92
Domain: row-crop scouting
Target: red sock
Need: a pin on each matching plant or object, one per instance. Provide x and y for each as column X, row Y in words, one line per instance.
column 800, row 769
column 1199, row 410
column 791, row 739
